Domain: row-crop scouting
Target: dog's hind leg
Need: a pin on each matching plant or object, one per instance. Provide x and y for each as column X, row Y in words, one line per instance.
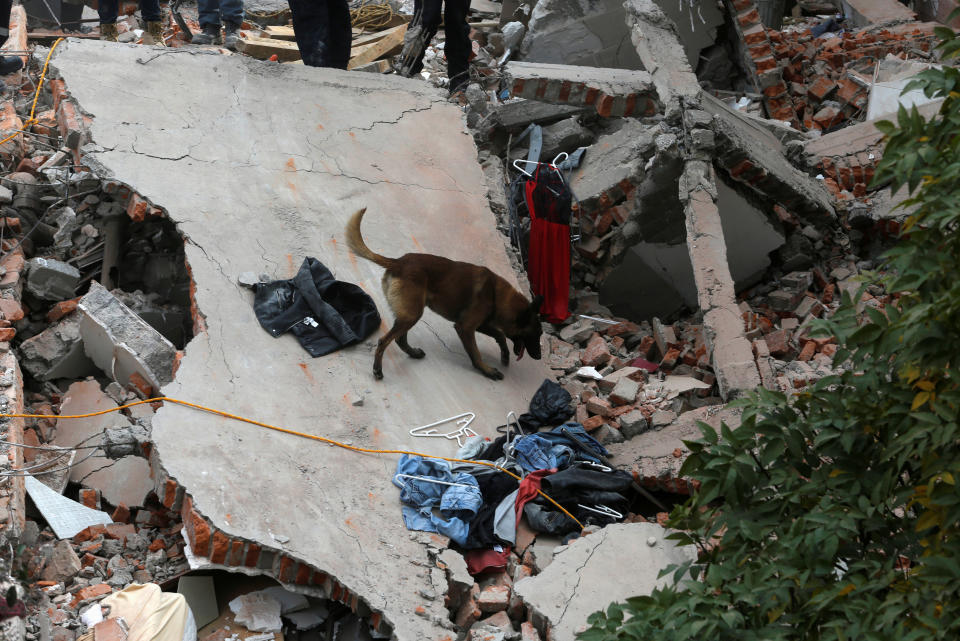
column 501, row 339
column 407, row 301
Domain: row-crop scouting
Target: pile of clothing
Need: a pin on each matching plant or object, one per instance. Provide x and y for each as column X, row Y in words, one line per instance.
column 479, row 507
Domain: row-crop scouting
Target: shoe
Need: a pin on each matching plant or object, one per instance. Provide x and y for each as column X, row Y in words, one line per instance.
column 9, row 64
column 154, row 34
column 209, row 36
column 231, row 33
column 108, row 31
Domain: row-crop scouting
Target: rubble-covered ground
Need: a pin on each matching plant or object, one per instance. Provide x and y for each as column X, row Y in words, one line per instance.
column 674, row 106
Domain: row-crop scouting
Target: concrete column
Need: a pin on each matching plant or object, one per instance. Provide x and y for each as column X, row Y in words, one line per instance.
column 733, row 362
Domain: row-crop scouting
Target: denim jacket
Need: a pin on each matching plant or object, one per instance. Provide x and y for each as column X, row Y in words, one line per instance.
column 457, row 504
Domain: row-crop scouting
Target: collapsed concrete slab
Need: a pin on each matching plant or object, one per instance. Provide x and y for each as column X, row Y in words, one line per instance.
column 862, row 13
column 573, row 32
column 754, row 158
column 588, row 574
column 614, row 92
column 57, row 352
column 256, row 188
column 121, row 343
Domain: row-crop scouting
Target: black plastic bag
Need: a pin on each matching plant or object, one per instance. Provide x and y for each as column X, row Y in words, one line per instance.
column 549, row 406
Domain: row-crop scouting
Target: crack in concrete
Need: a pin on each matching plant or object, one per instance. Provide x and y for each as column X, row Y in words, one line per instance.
column 573, row 592
column 434, row 332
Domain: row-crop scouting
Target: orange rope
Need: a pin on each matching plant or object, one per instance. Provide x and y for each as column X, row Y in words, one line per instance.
column 323, row 439
column 36, row 96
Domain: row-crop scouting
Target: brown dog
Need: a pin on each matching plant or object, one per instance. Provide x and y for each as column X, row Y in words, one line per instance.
column 472, row 297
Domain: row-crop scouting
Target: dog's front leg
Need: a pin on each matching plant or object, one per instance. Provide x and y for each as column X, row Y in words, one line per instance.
column 501, row 339
column 469, row 340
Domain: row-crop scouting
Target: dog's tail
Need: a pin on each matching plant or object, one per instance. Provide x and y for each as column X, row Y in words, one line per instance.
column 358, row 247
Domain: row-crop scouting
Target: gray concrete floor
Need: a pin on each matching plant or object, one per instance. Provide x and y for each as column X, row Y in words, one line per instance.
column 260, row 165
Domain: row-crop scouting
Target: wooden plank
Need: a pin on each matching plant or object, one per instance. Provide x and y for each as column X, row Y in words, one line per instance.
column 391, row 42
column 280, row 32
column 263, row 48
column 377, row 66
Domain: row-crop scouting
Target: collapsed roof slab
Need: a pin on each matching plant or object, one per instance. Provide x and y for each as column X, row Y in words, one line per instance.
column 754, row 158
column 614, row 92
column 259, row 165
column 863, row 13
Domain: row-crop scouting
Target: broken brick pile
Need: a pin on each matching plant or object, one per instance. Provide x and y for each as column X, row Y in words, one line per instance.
column 820, row 84
column 66, row 576
column 829, row 78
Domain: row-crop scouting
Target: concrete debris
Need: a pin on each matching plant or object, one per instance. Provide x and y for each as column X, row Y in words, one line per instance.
column 578, row 579
column 121, row 343
column 51, row 279
column 576, row 33
column 723, row 201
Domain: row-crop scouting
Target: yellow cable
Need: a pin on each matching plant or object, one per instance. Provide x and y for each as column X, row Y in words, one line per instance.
column 285, row 430
column 36, row 96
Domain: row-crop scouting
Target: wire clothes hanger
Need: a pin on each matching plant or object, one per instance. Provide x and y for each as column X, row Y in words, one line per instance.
column 602, row 510
column 552, row 165
column 427, row 479
column 463, row 431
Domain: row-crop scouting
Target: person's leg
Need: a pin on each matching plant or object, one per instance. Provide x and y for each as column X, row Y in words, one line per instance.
column 231, row 11
column 108, row 10
column 314, row 32
column 5, row 7
column 150, row 10
column 208, row 12
column 458, row 46
column 340, row 33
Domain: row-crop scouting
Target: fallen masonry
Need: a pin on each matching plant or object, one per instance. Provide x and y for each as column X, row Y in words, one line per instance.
column 720, row 159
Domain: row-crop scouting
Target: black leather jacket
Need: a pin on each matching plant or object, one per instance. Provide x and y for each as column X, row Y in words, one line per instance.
column 324, row 314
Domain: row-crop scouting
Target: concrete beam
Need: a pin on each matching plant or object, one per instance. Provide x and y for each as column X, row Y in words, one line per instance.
column 655, row 38
column 613, row 92
column 733, row 362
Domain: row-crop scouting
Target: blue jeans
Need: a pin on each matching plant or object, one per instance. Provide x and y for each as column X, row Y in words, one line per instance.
column 457, row 504
column 220, row 11
column 149, row 11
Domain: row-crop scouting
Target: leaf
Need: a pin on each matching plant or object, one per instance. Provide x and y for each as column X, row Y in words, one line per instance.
column 919, row 400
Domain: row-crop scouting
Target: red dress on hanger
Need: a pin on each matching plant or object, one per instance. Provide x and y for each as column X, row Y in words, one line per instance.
column 548, row 264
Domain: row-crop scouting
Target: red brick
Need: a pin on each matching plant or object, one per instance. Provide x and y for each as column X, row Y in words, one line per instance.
column 670, row 358
column 221, row 543
column 119, row 531
column 11, row 309
column 829, row 350
column 494, row 598
column 599, row 406
column 777, row 342
column 137, row 208
column 90, row 592
column 303, row 574
column 749, row 18
column 253, row 555
column 7, row 334
column 141, row 385
column 89, row 533
column 596, row 353
column 288, row 569
column 645, row 348
column 822, row 87
column 157, row 545
column 593, row 423
column 809, row 349
column 200, row 543
column 236, row 553
column 61, row 309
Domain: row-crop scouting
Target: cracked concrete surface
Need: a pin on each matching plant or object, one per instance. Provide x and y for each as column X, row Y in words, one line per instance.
column 260, row 165
column 610, row 565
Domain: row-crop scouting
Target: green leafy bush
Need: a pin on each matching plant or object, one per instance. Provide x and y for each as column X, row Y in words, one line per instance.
column 835, row 513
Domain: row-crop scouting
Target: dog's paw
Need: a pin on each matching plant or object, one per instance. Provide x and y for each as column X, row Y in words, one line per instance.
column 494, row 374
column 378, row 374
column 416, row 352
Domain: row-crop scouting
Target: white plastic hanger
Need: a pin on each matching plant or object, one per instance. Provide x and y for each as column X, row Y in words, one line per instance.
column 463, row 431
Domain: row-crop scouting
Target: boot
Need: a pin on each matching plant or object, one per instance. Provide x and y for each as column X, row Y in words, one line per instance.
column 9, row 64
column 154, row 33
column 108, row 31
column 209, row 36
column 231, row 33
